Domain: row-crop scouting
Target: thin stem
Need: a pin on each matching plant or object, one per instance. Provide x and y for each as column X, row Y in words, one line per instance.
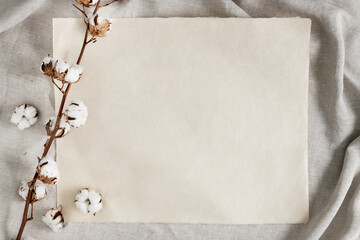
column 52, row 79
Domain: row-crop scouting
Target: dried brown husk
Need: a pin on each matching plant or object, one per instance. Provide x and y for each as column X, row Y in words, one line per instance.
column 43, row 178
column 99, row 29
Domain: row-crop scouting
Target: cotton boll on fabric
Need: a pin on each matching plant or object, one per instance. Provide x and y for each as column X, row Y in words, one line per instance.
column 24, row 116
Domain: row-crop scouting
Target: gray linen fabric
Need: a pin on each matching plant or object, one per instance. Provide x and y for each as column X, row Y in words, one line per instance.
column 334, row 115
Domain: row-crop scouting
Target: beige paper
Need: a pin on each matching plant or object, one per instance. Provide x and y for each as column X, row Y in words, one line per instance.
column 191, row 120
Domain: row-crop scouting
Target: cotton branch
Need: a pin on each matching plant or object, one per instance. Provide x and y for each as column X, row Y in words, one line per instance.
column 76, row 114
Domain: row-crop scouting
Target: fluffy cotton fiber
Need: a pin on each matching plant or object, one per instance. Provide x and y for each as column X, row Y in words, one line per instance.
column 24, row 116
column 76, row 113
column 88, row 201
column 48, row 170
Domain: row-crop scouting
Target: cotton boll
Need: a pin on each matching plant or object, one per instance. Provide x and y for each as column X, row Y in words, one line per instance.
column 99, row 26
column 48, row 171
column 55, row 69
column 24, row 116
column 54, row 219
column 61, row 68
column 88, row 201
column 76, row 113
column 74, row 73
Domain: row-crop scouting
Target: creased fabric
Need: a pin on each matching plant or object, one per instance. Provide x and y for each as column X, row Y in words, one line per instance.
column 334, row 115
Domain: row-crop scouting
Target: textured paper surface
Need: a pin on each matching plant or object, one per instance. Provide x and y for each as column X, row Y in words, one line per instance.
column 190, row 121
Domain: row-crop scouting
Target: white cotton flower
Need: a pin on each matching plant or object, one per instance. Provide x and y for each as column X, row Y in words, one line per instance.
column 48, row 170
column 76, row 113
column 88, row 201
column 40, row 191
column 24, row 116
column 74, row 73
column 99, row 26
column 54, row 219
column 64, row 126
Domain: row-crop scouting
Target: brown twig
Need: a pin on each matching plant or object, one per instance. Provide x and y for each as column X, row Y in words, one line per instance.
column 49, row 142
column 60, row 88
